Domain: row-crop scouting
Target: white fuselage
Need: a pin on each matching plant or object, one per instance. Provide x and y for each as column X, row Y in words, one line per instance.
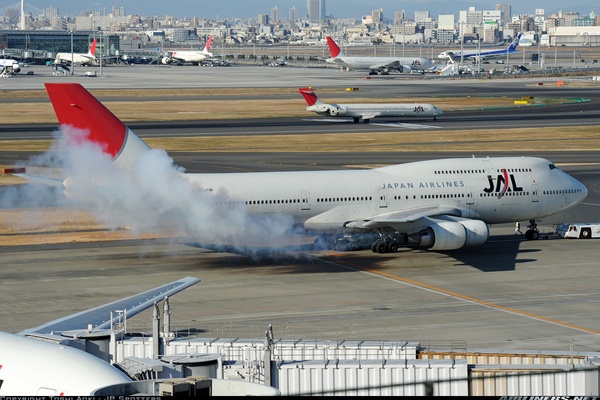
column 191, row 56
column 493, row 190
column 32, row 367
column 375, row 63
column 77, row 58
column 9, row 66
column 376, row 110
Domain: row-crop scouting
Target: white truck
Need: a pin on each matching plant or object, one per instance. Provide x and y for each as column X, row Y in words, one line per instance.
column 579, row 230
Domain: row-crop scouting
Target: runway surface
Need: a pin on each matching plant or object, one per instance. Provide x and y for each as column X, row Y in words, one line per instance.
column 507, row 295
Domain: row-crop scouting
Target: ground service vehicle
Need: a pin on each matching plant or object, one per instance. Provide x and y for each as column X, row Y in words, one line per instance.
column 579, row 230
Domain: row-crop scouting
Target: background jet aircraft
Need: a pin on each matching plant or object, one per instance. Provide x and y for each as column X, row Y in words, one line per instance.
column 9, row 67
column 33, row 362
column 455, row 55
column 383, row 65
column 189, row 56
column 368, row 111
column 88, row 58
column 441, row 204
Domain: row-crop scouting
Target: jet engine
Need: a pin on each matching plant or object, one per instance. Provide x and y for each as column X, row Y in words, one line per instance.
column 334, row 110
column 451, row 234
column 165, row 60
column 16, row 67
column 404, row 69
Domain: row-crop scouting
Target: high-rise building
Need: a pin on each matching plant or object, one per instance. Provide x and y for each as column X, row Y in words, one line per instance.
column 263, row 19
column 506, row 13
column 274, row 15
column 399, row 16
column 421, row 16
column 446, row 21
column 377, row 16
column 293, row 15
column 316, row 10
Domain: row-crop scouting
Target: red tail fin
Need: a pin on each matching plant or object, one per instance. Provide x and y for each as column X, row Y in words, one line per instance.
column 93, row 48
column 76, row 107
column 309, row 95
column 207, row 47
column 334, row 49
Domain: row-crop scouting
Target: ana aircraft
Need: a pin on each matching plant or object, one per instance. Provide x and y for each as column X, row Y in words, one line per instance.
column 443, row 204
column 189, row 56
column 88, row 58
column 368, row 111
column 383, row 65
column 9, row 67
column 37, row 362
column 455, row 55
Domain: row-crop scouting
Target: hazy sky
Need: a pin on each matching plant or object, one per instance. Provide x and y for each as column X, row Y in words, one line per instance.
column 338, row 8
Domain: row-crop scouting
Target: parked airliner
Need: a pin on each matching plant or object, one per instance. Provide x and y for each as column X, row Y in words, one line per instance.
column 369, row 110
column 9, row 67
column 455, row 55
column 88, row 58
column 189, row 56
column 373, row 64
column 442, row 204
column 35, row 362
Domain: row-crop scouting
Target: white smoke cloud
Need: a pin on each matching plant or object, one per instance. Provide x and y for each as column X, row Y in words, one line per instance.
column 152, row 196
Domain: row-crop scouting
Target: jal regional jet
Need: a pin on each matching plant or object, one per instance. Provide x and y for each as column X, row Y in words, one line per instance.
column 368, row 111
column 442, row 204
column 373, row 64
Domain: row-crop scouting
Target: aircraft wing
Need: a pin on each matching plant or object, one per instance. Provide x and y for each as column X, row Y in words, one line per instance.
column 396, row 219
column 370, row 115
column 389, row 65
column 99, row 317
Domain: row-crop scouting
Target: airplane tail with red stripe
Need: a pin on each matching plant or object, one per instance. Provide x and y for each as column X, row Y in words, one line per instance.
column 207, row 47
column 310, row 96
column 92, row 51
column 334, row 49
column 93, row 123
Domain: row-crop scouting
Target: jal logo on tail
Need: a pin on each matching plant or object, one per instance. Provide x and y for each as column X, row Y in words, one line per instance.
column 504, row 183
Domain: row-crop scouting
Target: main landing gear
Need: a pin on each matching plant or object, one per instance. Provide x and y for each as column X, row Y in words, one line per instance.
column 387, row 243
column 532, row 232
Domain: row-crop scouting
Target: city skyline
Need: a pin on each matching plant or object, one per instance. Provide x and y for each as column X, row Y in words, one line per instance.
column 229, row 9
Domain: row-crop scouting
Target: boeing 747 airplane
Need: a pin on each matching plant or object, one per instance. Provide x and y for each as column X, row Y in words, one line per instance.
column 368, row 111
column 443, row 204
column 455, row 55
column 383, row 65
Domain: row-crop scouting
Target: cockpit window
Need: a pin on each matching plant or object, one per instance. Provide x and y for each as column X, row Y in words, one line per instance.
column 552, row 166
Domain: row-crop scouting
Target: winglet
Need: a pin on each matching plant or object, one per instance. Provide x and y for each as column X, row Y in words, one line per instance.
column 334, row 49
column 309, row 95
column 92, row 51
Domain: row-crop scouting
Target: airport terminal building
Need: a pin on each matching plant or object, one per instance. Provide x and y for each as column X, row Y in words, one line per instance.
column 41, row 46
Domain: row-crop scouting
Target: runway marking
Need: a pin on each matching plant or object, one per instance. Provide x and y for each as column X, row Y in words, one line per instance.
column 458, row 296
column 405, row 125
column 388, row 124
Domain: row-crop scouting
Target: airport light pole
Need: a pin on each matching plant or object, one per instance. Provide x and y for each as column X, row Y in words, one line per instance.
column 72, row 63
column 101, row 51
